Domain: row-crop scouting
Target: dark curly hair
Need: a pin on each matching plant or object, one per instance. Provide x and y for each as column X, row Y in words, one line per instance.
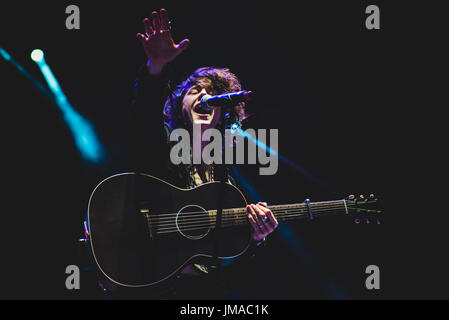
column 220, row 80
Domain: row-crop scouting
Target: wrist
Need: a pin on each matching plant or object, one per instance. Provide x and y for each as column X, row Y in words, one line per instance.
column 259, row 242
column 154, row 68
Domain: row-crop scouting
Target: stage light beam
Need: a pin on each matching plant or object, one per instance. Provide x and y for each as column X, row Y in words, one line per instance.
column 290, row 163
column 82, row 130
column 5, row 54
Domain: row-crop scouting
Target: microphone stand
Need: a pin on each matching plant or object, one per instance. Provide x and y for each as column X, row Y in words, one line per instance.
column 227, row 113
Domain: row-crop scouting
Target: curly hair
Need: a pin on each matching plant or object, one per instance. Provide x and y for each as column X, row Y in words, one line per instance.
column 219, row 80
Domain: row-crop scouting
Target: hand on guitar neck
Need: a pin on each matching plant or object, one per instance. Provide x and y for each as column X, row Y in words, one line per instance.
column 262, row 220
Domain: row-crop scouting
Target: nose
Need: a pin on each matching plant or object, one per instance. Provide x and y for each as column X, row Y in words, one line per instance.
column 202, row 93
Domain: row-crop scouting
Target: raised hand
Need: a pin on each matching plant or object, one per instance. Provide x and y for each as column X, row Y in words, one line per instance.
column 158, row 42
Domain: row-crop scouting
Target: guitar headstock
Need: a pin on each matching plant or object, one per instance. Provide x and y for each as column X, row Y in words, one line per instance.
column 364, row 209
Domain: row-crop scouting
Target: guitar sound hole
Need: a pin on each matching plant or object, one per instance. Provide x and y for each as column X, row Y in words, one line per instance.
column 192, row 222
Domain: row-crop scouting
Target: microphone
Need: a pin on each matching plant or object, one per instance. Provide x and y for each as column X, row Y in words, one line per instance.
column 208, row 102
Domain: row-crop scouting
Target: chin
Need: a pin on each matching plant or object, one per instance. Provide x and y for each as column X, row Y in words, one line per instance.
column 202, row 119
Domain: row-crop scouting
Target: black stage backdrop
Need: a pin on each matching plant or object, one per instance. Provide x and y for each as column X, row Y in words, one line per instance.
column 336, row 92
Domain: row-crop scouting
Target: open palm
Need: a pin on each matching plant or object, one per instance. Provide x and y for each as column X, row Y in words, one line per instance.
column 157, row 42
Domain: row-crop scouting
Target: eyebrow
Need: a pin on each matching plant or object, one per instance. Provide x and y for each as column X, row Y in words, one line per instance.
column 198, row 86
column 194, row 87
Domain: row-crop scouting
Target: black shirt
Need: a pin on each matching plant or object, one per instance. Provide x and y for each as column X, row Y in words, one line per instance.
column 150, row 150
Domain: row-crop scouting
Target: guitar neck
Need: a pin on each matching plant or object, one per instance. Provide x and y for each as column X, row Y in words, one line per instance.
column 287, row 212
column 309, row 210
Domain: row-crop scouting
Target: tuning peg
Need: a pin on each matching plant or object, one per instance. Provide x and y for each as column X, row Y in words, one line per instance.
column 377, row 221
column 357, row 221
column 361, row 196
column 367, row 221
column 371, row 195
column 351, row 197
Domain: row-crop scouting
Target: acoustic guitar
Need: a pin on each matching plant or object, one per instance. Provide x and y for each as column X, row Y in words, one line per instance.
column 144, row 230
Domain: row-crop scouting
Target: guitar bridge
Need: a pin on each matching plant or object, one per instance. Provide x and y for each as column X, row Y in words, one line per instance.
column 146, row 213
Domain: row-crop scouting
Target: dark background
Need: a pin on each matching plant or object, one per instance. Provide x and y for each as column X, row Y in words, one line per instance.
column 340, row 95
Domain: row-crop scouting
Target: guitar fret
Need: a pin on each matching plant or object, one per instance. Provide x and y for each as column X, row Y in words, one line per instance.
column 237, row 216
column 233, row 216
column 301, row 210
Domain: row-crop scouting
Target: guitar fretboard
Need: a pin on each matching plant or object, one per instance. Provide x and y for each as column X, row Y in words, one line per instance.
column 172, row 222
column 285, row 212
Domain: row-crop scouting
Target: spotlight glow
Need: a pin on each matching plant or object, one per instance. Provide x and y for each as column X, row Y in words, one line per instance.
column 5, row 54
column 82, row 130
column 37, row 55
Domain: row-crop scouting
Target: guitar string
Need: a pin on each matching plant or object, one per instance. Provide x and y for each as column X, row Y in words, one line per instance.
column 278, row 214
column 203, row 217
column 229, row 215
column 291, row 217
column 228, row 222
column 243, row 210
column 202, row 228
column 274, row 207
column 242, row 219
column 192, row 228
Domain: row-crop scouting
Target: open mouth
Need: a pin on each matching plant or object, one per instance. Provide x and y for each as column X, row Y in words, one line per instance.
column 199, row 109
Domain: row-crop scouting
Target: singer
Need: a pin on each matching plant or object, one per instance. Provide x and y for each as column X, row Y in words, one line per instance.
column 151, row 126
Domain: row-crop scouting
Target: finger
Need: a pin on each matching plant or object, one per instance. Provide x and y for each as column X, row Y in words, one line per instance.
column 262, row 204
column 258, row 225
column 260, row 213
column 156, row 21
column 252, row 221
column 164, row 19
column 147, row 26
column 258, row 233
column 270, row 216
column 141, row 37
column 259, row 216
column 183, row 45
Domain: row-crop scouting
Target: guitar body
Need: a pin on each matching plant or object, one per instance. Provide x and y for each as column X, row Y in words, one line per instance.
column 144, row 230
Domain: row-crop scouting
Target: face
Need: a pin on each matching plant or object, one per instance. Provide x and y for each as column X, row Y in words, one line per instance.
column 192, row 110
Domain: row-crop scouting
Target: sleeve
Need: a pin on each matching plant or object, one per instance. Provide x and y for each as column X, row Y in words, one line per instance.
column 147, row 135
column 255, row 247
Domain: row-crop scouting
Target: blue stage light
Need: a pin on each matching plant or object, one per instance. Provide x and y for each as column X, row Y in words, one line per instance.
column 247, row 186
column 257, row 142
column 37, row 55
column 5, row 54
column 83, row 132
column 290, row 163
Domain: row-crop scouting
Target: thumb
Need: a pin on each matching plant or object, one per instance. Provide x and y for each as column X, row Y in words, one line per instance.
column 183, row 45
column 140, row 37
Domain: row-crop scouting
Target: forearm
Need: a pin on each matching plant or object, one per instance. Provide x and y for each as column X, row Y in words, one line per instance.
column 146, row 117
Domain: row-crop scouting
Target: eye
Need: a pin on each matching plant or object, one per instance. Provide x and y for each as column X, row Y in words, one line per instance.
column 193, row 91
